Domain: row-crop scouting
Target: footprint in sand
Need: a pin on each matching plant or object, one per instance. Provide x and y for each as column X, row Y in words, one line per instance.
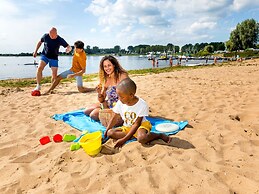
column 234, row 117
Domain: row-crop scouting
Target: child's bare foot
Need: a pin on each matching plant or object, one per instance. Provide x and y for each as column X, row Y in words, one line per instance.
column 45, row 93
column 166, row 138
column 48, row 92
column 84, row 90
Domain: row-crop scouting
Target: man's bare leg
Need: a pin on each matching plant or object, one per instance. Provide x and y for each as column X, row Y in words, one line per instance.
column 39, row 74
column 54, row 74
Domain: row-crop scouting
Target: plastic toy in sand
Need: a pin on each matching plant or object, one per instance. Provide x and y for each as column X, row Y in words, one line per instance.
column 92, row 143
column 57, row 138
column 44, row 140
column 167, row 127
column 75, row 146
column 69, row 137
column 35, row 93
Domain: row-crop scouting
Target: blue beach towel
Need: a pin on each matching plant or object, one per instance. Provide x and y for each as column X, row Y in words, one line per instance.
column 78, row 120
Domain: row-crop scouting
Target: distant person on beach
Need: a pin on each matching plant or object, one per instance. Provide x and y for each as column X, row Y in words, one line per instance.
column 76, row 71
column 178, row 63
column 133, row 111
column 110, row 74
column 215, row 60
column 52, row 41
column 153, row 60
column 171, row 61
column 239, row 59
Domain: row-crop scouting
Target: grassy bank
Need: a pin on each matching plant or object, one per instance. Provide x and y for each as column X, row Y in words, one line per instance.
column 243, row 54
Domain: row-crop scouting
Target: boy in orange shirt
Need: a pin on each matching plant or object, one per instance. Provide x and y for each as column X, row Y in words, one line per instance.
column 77, row 69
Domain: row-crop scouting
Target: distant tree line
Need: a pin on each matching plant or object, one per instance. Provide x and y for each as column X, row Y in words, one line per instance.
column 143, row 49
column 139, row 49
column 198, row 48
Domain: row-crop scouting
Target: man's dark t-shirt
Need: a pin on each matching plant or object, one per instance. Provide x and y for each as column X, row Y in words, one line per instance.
column 51, row 46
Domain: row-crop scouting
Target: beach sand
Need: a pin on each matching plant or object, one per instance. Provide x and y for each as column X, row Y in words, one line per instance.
column 218, row 152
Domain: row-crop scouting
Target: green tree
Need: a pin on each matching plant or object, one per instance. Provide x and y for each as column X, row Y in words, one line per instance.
column 235, row 40
column 188, row 48
column 96, row 50
column 248, row 33
column 209, row 48
column 117, row 49
column 245, row 35
column 196, row 48
column 218, row 46
column 176, row 49
column 130, row 49
column 88, row 49
column 229, row 45
column 170, row 46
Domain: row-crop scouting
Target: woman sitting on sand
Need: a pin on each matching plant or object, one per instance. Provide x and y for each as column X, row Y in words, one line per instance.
column 110, row 74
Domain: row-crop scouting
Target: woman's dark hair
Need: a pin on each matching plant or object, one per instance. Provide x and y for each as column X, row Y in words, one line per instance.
column 118, row 70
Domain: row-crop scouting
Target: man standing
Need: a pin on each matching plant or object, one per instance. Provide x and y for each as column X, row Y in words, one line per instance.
column 52, row 41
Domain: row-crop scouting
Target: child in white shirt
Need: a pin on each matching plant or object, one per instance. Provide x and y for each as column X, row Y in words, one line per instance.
column 133, row 110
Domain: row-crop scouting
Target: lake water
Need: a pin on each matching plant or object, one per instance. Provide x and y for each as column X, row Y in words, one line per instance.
column 13, row 67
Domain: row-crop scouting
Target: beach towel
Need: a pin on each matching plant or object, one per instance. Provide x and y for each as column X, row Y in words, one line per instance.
column 78, row 120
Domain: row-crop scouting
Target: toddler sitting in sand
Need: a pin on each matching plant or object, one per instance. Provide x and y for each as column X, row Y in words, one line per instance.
column 133, row 110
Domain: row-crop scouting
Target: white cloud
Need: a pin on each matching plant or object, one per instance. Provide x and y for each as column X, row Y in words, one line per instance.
column 98, row 7
column 8, row 9
column 127, row 29
column 152, row 21
column 20, row 33
column 25, row 33
column 92, row 30
column 202, row 25
column 45, row 1
column 240, row 4
column 124, row 12
column 193, row 7
column 50, row 1
column 106, row 29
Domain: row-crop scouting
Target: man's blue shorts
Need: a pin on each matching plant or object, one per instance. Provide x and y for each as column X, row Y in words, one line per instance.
column 51, row 62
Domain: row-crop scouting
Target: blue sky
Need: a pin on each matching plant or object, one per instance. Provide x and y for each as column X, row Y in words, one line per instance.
column 106, row 23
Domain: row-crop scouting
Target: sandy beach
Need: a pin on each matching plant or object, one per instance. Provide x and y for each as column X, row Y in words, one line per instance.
column 218, row 152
